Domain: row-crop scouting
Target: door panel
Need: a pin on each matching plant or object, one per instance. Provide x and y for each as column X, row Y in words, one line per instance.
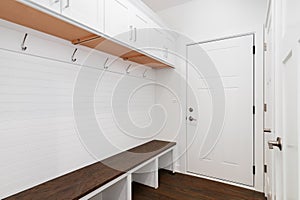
column 290, row 128
column 141, row 32
column 89, row 13
column 287, row 110
column 169, row 47
column 157, row 41
column 53, row 5
column 117, row 20
column 227, row 155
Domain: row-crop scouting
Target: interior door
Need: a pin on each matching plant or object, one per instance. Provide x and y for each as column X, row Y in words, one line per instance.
column 290, row 126
column 287, row 100
column 230, row 157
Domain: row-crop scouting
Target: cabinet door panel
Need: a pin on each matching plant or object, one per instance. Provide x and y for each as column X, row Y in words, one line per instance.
column 169, row 49
column 117, row 20
column 53, row 5
column 157, row 43
column 89, row 13
column 141, row 32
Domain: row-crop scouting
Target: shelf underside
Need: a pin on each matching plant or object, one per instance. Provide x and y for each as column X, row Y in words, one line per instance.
column 18, row 13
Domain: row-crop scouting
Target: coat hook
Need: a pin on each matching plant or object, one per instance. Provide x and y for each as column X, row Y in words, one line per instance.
column 144, row 74
column 127, row 70
column 72, row 58
column 23, row 47
column 105, row 63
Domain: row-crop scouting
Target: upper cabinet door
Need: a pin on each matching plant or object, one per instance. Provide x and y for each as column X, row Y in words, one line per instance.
column 117, row 16
column 157, row 42
column 169, row 49
column 141, row 24
column 53, row 5
column 90, row 13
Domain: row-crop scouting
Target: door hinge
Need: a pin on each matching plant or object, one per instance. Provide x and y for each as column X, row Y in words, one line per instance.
column 253, row 170
column 254, row 50
column 253, row 110
column 265, row 107
column 265, row 46
column 265, row 168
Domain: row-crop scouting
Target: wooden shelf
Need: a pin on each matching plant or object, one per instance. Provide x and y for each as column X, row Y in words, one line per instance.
column 21, row 14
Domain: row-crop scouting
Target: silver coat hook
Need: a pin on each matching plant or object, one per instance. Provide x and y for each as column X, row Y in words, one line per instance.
column 73, row 56
column 23, row 47
column 144, row 74
column 127, row 70
column 105, row 63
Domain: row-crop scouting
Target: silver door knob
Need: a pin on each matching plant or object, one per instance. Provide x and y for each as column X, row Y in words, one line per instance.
column 192, row 119
column 277, row 143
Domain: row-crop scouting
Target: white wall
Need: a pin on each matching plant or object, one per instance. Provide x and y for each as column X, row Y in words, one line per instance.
column 39, row 137
column 209, row 19
column 201, row 20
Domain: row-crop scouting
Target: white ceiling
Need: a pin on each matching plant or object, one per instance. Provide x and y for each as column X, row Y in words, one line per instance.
column 158, row 5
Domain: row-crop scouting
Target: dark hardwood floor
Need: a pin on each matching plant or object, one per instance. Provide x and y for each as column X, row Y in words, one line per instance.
column 183, row 187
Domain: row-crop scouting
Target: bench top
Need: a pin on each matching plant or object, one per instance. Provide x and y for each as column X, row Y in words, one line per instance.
column 81, row 182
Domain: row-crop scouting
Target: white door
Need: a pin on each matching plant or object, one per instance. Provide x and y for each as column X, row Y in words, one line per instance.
column 227, row 154
column 287, row 90
column 117, row 20
column 268, row 112
column 53, row 5
column 290, row 126
column 89, row 13
column 287, row 127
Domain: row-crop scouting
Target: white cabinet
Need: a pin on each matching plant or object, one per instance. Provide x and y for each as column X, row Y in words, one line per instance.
column 126, row 23
column 53, row 5
column 117, row 16
column 162, row 44
column 89, row 13
column 118, row 19
column 169, row 49
column 157, row 42
column 140, row 24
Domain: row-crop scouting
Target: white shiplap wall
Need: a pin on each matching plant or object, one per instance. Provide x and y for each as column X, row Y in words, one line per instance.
column 39, row 137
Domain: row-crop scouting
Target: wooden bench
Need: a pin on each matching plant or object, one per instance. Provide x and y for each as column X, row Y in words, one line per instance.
column 110, row 178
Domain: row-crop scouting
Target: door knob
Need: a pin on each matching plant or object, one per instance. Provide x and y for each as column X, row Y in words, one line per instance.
column 192, row 119
column 277, row 143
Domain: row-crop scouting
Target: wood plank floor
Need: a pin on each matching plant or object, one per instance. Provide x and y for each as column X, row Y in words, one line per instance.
column 183, row 187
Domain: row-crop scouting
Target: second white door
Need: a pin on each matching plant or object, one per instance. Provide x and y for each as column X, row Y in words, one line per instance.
column 227, row 154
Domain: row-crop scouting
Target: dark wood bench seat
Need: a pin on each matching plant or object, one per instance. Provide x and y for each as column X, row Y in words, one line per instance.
column 81, row 182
